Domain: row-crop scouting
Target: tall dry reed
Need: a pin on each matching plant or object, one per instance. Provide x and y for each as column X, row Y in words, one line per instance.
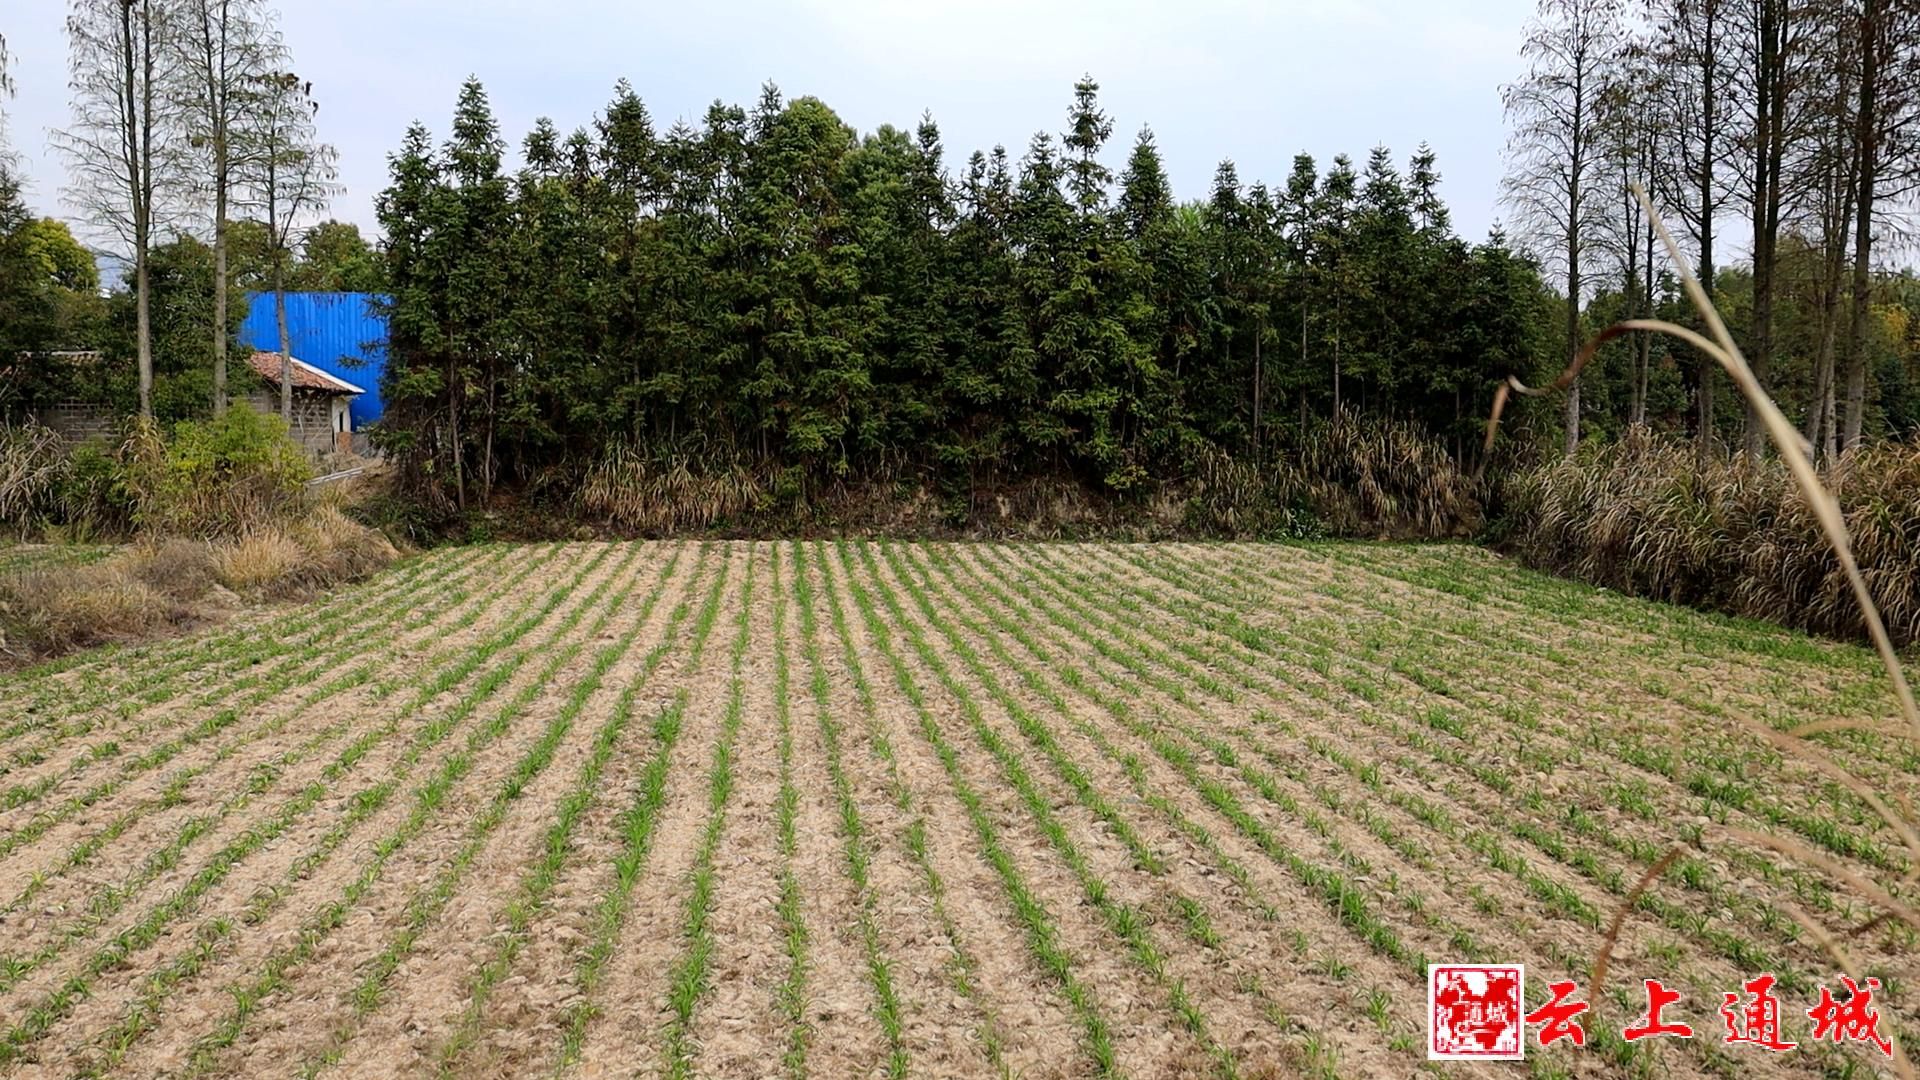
column 635, row 490
column 1645, row 516
column 1347, row 476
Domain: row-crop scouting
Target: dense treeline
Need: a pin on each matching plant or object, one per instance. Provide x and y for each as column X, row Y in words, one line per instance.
column 186, row 122
column 768, row 294
column 771, row 287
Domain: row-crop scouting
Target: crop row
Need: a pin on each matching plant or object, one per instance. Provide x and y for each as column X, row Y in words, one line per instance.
column 1507, row 800
column 432, row 682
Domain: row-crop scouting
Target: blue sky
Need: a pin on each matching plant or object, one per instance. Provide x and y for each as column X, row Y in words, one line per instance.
column 1254, row 81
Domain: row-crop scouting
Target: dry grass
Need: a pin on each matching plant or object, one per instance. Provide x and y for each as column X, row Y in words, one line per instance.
column 167, row 582
column 335, row 548
column 30, row 463
column 1350, row 476
column 303, row 557
column 633, row 491
column 1646, row 517
column 1381, row 476
column 1754, row 512
column 181, row 569
column 257, row 561
column 53, row 611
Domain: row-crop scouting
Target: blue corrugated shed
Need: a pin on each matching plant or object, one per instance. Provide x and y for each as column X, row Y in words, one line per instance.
column 339, row 333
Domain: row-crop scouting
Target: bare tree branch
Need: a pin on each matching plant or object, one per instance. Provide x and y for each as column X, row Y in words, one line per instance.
column 1550, row 147
column 123, row 147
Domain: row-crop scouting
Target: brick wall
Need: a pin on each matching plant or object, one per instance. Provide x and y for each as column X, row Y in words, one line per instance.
column 312, row 417
column 78, row 421
column 313, row 420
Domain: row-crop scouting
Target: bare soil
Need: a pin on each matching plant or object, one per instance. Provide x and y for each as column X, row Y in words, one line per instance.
column 1153, row 810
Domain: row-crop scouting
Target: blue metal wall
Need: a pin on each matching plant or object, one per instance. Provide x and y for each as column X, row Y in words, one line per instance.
column 339, row 333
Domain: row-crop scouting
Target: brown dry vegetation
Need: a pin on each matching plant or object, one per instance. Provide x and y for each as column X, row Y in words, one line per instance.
column 163, row 583
column 745, row 809
column 1645, row 516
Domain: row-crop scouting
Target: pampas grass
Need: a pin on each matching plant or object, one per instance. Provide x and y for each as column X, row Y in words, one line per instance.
column 629, row 489
column 1348, row 476
column 30, row 466
column 1378, row 476
column 1644, row 516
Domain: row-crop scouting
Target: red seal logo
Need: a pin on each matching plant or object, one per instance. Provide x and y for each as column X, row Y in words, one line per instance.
column 1475, row 1012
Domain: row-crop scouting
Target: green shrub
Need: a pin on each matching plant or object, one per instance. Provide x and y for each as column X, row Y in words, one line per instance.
column 410, row 520
column 46, row 484
column 220, row 477
column 210, row 478
column 91, row 498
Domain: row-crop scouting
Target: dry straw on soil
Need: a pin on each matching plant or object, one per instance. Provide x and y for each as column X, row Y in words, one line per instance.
column 1832, row 522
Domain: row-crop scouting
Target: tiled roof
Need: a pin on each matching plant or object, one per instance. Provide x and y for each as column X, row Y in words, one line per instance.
column 305, row 375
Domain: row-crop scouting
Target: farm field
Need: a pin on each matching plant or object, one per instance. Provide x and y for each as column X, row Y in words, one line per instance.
column 868, row 808
column 22, row 558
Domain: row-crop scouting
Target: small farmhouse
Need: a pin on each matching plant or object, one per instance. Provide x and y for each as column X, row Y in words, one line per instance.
column 322, row 403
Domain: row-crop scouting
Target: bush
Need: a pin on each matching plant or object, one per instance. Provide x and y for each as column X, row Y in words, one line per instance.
column 1236, row 497
column 1644, row 517
column 222, row 502
column 91, row 497
column 44, row 483
column 218, row 478
column 1382, row 477
column 215, row 478
column 180, row 569
column 307, row 555
column 334, row 548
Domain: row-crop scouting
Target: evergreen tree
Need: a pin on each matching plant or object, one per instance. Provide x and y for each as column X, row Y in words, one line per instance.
column 481, row 281
column 770, row 289
column 334, row 257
